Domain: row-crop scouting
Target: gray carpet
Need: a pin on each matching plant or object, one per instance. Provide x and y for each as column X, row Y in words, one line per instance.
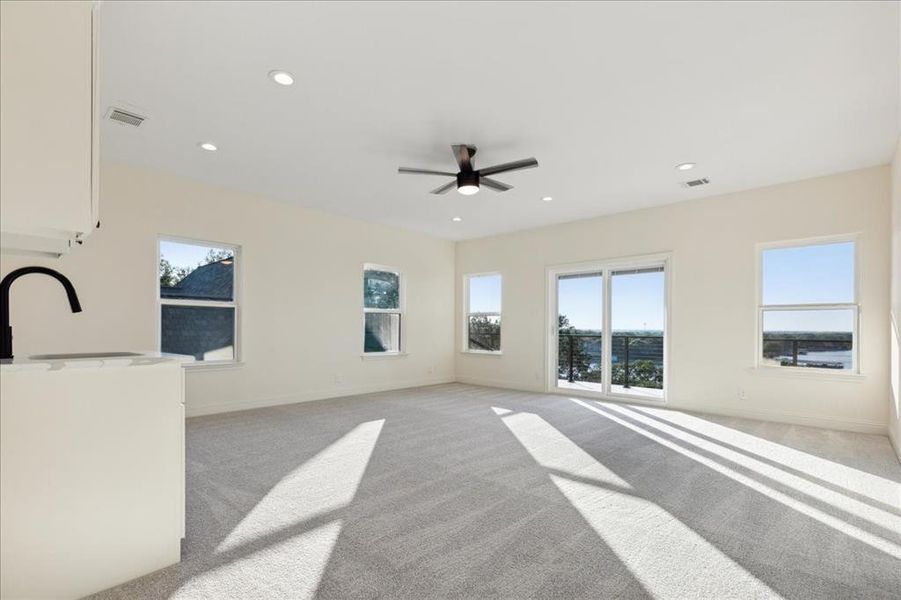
column 458, row 491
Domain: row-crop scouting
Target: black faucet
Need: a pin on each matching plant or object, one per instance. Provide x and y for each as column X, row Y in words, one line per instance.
column 6, row 332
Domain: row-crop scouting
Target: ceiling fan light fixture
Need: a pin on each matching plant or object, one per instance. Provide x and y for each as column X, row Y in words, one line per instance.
column 469, row 180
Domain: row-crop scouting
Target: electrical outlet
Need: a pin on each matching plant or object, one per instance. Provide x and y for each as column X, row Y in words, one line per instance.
column 742, row 395
column 338, row 378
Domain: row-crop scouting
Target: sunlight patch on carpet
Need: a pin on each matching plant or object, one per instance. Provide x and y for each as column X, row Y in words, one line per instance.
column 662, row 553
column 325, row 483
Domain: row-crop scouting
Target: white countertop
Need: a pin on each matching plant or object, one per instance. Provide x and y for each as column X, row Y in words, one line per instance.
column 26, row 363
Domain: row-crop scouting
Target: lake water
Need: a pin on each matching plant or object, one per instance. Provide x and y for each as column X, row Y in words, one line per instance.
column 836, row 356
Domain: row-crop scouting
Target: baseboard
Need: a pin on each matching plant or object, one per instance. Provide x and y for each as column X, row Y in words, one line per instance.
column 499, row 383
column 842, row 424
column 838, row 423
column 896, row 443
column 337, row 392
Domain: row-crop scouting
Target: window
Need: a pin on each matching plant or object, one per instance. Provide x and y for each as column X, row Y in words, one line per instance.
column 198, row 299
column 808, row 308
column 483, row 313
column 383, row 312
column 610, row 320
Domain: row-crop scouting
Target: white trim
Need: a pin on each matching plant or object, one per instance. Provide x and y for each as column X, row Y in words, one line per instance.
column 209, row 303
column 605, row 269
column 826, row 375
column 810, row 373
column 837, row 423
column 312, row 396
column 611, row 396
column 400, row 311
column 777, row 416
column 382, row 355
column 237, row 288
column 800, row 307
column 212, row 365
column 466, row 314
column 504, row 384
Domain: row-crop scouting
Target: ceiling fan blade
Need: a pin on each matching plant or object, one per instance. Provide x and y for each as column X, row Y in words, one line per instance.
column 494, row 184
column 526, row 163
column 445, row 188
column 463, row 155
column 411, row 171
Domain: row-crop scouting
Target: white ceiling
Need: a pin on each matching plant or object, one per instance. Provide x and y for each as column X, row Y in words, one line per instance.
column 608, row 97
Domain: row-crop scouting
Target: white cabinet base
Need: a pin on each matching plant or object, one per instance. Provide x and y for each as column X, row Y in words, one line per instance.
column 91, row 477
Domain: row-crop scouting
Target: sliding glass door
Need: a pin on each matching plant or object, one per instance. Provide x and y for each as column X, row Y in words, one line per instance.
column 637, row 315
column 580, row 327
column 608, row 328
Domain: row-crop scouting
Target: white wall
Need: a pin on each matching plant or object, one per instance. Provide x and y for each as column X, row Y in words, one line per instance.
column 895, row 399
column 301, row 310
column 301, row 318
column 713, row 314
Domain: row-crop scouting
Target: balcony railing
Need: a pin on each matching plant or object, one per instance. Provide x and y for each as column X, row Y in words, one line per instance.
column 637, row 360
column 484, row 342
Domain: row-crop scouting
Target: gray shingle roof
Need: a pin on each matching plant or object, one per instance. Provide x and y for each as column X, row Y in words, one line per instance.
column 208, row 282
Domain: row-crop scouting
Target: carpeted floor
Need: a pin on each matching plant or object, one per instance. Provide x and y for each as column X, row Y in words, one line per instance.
column 458, row 491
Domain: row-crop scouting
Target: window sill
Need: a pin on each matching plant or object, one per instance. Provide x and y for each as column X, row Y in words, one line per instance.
column 213, row 365
column 382, row 355
column 483, row 352
column 804, row 373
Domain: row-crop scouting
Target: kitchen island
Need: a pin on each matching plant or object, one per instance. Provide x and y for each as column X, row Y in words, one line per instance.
column 91, row 471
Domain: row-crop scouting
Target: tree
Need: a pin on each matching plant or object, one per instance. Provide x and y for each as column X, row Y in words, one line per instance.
column 170, row 275
column 571, row 350
column 215, row 255
column 484, row 333
column 642, row 373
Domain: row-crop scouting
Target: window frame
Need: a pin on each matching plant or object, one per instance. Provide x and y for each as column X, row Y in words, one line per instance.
column 606, row 267
column 234, row 304
column 466, row 314
column 854, row 306
column 401, row 311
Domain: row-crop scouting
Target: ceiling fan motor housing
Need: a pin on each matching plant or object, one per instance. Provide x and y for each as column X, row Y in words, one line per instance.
column 465, row 178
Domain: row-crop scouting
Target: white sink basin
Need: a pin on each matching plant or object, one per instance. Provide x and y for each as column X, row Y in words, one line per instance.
column 83, row 355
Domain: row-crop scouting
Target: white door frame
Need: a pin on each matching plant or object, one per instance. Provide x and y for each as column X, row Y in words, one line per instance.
column 605, row 266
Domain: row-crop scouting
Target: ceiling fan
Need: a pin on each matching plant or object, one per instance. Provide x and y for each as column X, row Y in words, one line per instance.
column 468, row 179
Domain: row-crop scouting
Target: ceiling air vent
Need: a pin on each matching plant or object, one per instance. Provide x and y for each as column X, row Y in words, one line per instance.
column 695, row 182
column 124, row 117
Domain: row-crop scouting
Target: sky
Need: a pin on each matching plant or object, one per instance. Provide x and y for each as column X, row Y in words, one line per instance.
column 184, row 255
column 485, row 293
column 636, row 303
column 821, row 273
column 637, row 300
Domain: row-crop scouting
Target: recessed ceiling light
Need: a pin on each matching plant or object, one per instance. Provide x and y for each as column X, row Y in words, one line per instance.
column 208, row 146
column 281, row 77
column 547, row 199
column 456, row 219
column 685, row 166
